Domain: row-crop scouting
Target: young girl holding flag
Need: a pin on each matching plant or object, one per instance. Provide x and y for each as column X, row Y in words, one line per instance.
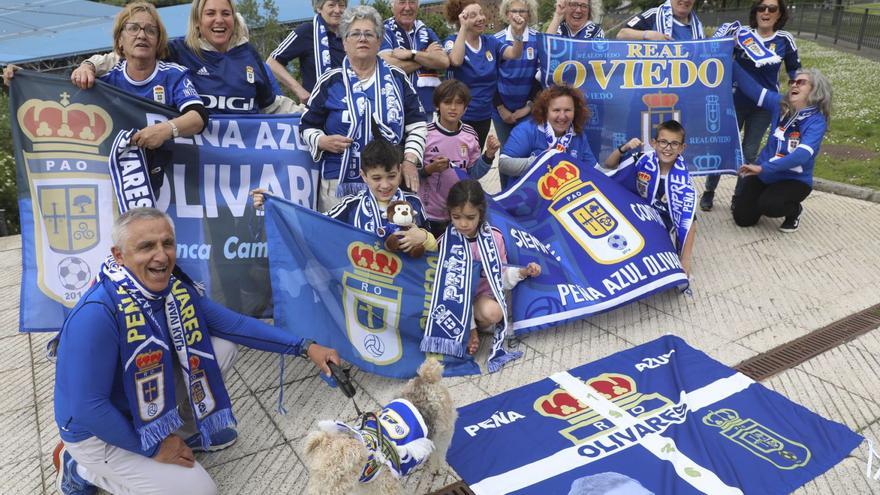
column 469, row 238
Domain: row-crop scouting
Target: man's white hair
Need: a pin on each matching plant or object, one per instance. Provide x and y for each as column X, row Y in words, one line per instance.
column 119, row 234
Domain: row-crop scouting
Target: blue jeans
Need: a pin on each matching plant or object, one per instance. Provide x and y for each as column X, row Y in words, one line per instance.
column 502, row 128
column 754, row 121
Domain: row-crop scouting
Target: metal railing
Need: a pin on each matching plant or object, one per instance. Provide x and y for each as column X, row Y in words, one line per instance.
column 857, row 27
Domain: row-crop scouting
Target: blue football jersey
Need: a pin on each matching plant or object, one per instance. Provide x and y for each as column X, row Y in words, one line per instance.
column 168, row 84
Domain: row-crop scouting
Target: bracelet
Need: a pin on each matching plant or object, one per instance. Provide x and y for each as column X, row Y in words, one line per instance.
column 94, row 68
column 620, row 149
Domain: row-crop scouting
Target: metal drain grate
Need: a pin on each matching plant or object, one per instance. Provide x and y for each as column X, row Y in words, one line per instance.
column 797, row 351
column 457, row 488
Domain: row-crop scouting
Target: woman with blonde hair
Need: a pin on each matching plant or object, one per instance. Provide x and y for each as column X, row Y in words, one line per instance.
column 225, row 68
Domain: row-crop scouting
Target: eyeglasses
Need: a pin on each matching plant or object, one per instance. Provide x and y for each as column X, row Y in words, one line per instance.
column 768, row 8
column 334, row 4
column 361, row 35
column 134, row 28
column 519, row 11
column 798, row 82
column 663, row 144
column 581, row 6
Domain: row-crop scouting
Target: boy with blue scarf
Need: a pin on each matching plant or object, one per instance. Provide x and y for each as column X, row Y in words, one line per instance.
column 661, row 178
column 366, row 210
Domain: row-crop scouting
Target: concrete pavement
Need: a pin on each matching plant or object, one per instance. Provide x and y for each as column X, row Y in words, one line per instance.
column 753, row 289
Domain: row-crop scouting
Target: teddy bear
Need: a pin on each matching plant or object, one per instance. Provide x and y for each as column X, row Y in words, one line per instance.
column 401, row 217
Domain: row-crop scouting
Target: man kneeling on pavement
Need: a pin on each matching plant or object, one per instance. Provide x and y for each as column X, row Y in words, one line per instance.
column 139, row 376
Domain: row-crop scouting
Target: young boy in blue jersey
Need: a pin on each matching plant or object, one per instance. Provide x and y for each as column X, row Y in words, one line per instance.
column 661, row 177
column 366, row 210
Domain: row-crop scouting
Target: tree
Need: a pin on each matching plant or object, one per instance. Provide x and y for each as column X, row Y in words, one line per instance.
column 8, row 190
column 261, row 17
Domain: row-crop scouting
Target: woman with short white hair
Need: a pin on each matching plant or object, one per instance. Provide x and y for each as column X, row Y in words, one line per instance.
column 364, row 99
column 577, row 19
column 517, row 85
column 782, row 178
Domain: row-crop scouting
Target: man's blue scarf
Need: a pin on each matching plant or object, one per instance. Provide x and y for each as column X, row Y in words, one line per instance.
column 320, row 46
column 130, row 173
column 749, row 42
column 452, row 297
column 664, row 18
column 385, row 113
column 147, row 358
column 419, row 41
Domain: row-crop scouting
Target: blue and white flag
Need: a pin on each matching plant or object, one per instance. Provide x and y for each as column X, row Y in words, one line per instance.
column 660, row 418
column 599, row 245
column 63, row 139
column 633, row 86
column 336, row 284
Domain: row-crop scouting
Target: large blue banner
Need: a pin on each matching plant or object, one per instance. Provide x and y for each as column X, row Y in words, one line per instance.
column 660, row 418
column 336, row 284
column 599, row 245
column 631, row 87
column 63, row 137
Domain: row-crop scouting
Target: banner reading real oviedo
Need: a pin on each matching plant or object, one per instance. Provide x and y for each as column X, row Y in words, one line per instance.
column 631, row 87
column 62, row 139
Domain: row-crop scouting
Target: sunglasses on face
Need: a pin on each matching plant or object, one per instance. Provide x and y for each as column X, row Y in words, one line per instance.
column 798, row 82
column 768, row 8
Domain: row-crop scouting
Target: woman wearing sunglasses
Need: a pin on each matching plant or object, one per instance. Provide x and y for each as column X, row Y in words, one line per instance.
column 780, row 179
column 766, row 19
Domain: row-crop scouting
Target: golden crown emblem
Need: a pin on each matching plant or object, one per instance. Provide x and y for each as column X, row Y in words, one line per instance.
column 51, row 125
column 560, row 404
column 371, row 260
column 660, row 100
column 556, row 178
column 148, row 359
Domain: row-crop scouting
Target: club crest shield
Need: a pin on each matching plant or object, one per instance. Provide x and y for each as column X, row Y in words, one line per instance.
column 588, row 216
column 372, row 304
column 72, row 197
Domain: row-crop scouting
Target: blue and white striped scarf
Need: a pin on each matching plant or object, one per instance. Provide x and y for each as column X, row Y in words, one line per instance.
column 130, row 174
column 147, row 358
column 385, row 114
column 749, row 42
column 368, row 215
column 664, row 18
column 452, row 298
column 419, row 41
column 679, row 191
column 320, row 46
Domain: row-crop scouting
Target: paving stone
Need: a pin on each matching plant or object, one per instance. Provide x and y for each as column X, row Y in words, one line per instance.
column 273, row 470
column 15, row 352
column 256, row 432
column 261, row 370
column 16, row 389
column 19, row 435
column 847, row 477
column 533, row 366
column 772, row 336
column 308, row 402
column 22, row 477
column 848, row 366
column 577, row 344
column 832, row 401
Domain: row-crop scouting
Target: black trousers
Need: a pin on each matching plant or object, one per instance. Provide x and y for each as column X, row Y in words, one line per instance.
column 757, row 199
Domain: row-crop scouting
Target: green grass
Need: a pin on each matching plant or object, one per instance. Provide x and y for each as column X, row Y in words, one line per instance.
column 860, row 8
column 851, row 150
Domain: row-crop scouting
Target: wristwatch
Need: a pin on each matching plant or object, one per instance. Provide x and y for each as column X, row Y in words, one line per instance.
column 175, row 132
column 304, row 347
column 413, row 52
